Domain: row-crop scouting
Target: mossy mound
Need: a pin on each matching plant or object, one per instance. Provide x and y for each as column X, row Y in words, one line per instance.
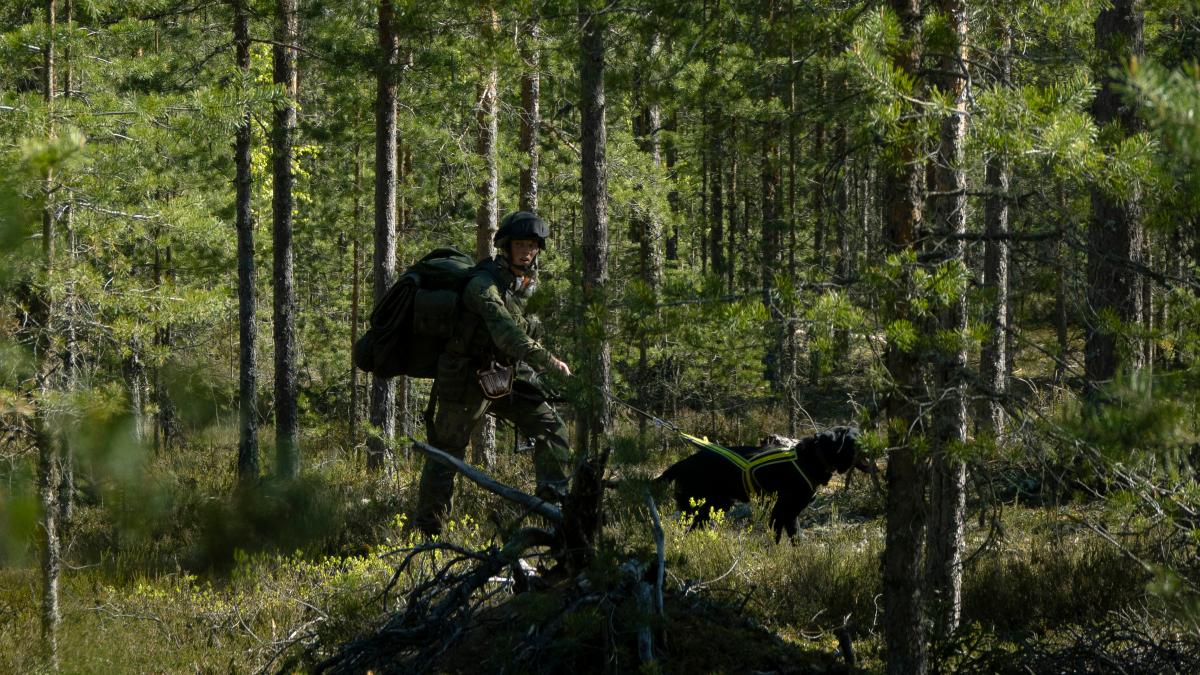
column 557, row 630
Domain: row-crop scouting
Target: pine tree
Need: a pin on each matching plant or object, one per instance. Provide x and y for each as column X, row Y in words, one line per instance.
column 947, row 509
column 247, row 464
column 383, row 392
column 904, row 619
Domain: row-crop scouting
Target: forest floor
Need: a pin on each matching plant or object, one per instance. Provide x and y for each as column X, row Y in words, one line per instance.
column 175, row 576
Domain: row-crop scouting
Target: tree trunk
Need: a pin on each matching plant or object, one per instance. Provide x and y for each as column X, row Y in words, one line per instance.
column 356, row 261
column 485, row 147
column 483, row 440
column 66, row 482
column 355, row 298
column 716, row 211
column 1060, row 306
column 944, row 537
column 671, row 248
column 904, row 618
column 582, row 510
column 772, row 228
column 1147, row 292
column 648, row 233
column 135, row 379
column 48, row 469
column 793, row 224
column 994, row 351
column 287, row 432
column 841, row 205
column 1114, row 231
column 248, row 464
column 531, row 86
column 406, row 402
column 819, row 214
column 383, row 392
column 731, row 258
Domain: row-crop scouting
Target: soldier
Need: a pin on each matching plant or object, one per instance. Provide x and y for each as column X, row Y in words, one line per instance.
column 491, row 363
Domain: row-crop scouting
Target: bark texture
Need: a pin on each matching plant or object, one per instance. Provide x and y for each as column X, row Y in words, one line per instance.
column 531, row 89
column 483, row 440
column 248, row 461
column 287, row 428
column 904, row 618
column 582, row 509
column 1114, row 231
column 48, row 455
column 994, row 351
column 383, row 268
column 948, row 478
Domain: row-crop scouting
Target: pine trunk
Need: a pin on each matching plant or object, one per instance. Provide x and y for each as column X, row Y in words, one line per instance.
column 531, row 87
column 383, row 391
column 772, row 228
column 483, row 440
column 1114, row 231
column 944, row 537
column 582, row 509
column 732, row 258
column 994, row 351
column 648, row 233
column 287, row 431
column 716, row 210
column 904, row 618
column 248, row 462
column 355, row 297
column 671, row 248
column 48, row 469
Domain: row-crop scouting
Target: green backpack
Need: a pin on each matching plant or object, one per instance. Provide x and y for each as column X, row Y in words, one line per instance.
column 416, row 317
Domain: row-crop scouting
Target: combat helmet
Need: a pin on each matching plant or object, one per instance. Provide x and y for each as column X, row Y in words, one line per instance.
column 522, row 225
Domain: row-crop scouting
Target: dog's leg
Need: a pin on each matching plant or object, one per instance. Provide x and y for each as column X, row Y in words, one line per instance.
column 783, row 515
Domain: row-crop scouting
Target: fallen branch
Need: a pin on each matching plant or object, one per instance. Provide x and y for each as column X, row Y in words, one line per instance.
column 437, row 612
column 541, row 507
column 659, row 554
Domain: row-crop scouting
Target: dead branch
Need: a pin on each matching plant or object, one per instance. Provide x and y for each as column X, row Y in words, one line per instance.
column 542, row 508
column 659, row 554
column 437, row 612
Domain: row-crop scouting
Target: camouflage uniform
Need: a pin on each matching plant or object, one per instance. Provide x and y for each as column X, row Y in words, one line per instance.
column 491, row 326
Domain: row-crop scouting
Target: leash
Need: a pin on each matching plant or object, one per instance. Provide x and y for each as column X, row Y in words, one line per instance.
column 658, row 422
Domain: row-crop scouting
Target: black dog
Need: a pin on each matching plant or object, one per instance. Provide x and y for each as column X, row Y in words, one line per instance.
column 792, row 470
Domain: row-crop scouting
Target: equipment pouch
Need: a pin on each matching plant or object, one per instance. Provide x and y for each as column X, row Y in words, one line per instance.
column 496, row 381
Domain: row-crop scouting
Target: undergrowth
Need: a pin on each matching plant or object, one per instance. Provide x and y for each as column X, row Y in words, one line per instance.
column 205, row 582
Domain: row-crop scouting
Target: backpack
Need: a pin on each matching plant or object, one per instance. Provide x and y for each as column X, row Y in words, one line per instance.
column 414, row 320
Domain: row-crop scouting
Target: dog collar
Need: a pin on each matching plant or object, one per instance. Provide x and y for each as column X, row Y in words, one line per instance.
column 750, row 466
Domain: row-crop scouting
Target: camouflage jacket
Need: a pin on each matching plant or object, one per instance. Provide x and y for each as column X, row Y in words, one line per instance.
column 493, row 321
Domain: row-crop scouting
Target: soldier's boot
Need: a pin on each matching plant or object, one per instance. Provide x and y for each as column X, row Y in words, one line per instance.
column 548, row 461
column 434, row 497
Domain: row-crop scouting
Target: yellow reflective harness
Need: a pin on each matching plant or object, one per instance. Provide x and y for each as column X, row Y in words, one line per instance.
column 753, row 464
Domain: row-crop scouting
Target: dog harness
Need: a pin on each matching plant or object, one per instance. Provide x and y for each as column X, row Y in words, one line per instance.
column 749, row 466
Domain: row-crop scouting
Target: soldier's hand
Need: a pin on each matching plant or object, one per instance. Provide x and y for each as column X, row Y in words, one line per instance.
column 560, row 366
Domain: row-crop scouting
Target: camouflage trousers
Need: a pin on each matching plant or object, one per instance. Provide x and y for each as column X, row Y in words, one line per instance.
column 455, row 420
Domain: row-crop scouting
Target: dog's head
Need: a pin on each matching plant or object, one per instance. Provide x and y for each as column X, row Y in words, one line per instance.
column 839, row 448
